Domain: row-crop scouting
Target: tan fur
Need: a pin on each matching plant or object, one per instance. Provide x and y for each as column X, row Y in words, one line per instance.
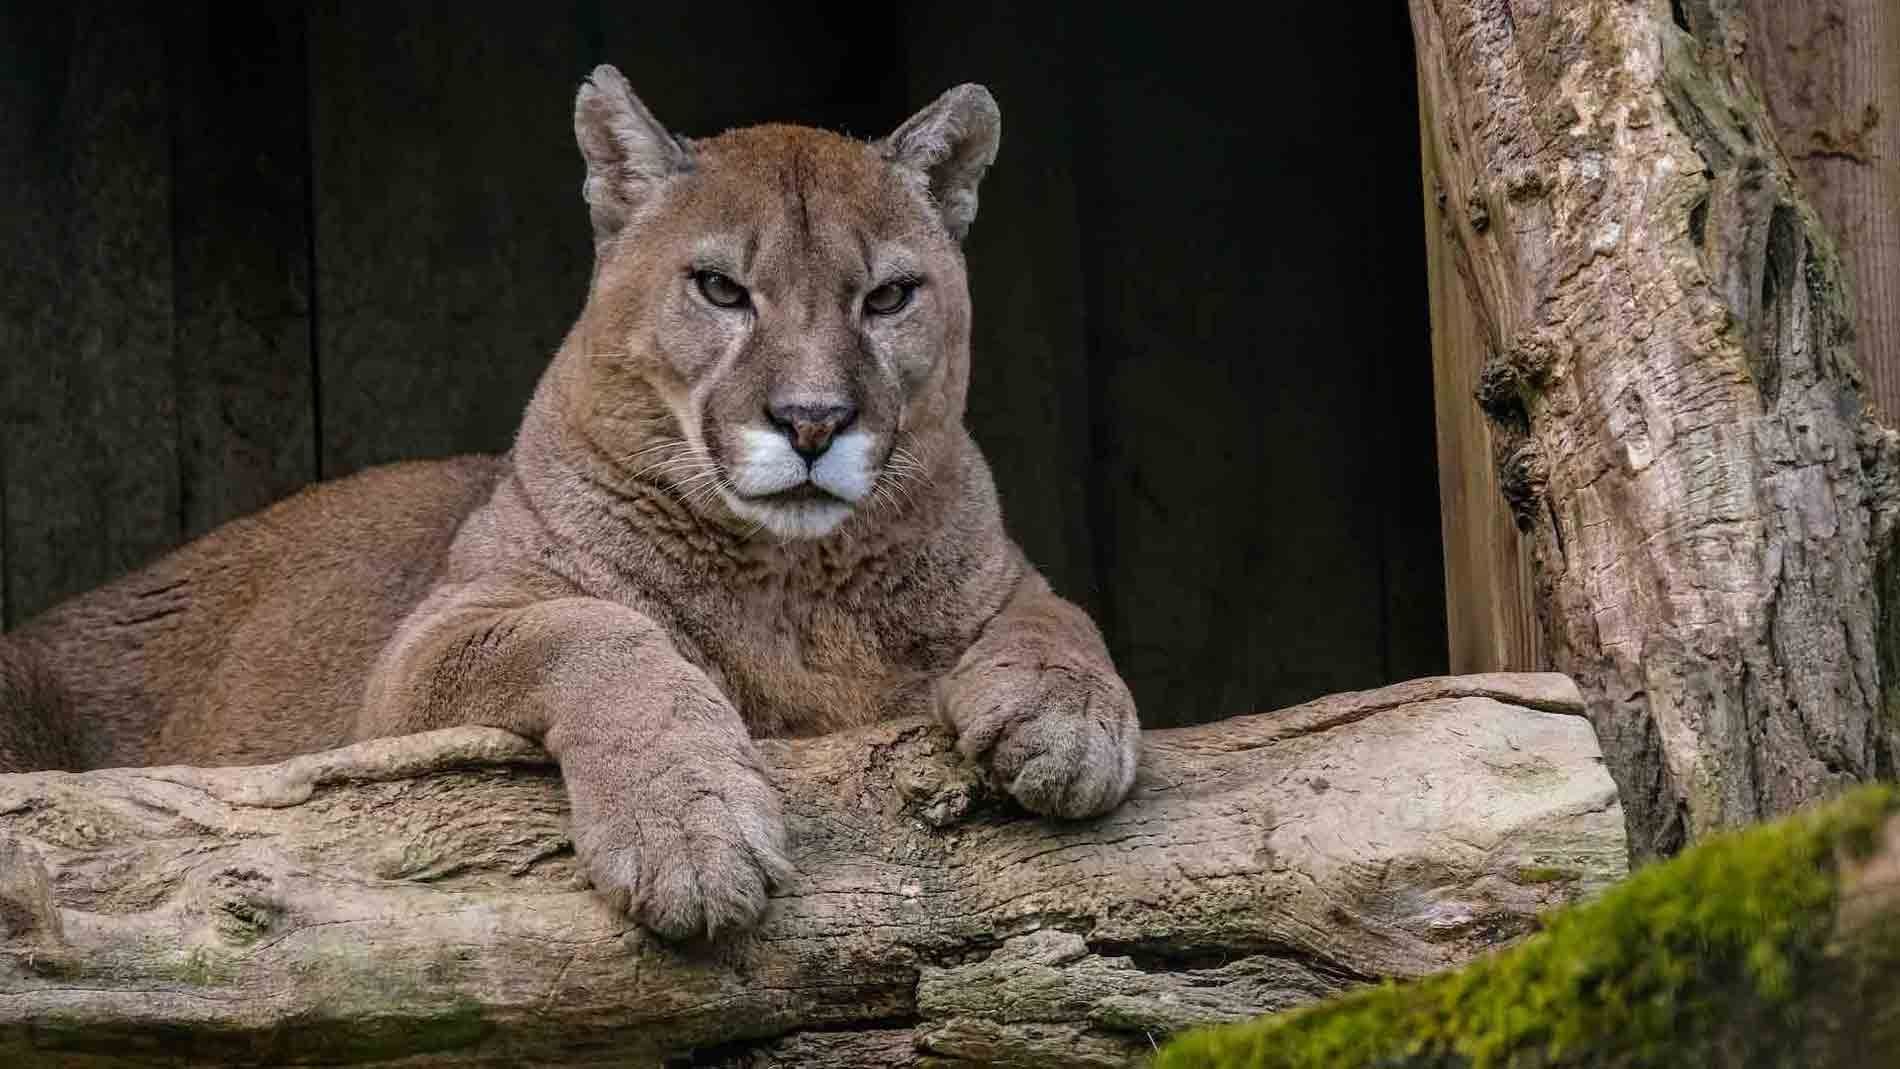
column 609, row 587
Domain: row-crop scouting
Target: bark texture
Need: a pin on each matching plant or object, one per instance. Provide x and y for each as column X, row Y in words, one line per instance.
column 1678, row 416
column 415, row 900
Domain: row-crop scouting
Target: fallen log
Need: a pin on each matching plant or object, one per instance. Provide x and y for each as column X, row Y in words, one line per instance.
column 415, row 900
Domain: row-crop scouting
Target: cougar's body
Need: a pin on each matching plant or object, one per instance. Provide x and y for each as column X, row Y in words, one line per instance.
column 248, row 645
column 741, row 502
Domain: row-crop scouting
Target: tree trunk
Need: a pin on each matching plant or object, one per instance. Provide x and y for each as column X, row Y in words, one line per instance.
column 1671, row 384
column 417, row 898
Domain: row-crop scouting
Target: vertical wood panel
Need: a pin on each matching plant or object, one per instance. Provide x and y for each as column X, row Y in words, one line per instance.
column 1830, row 70
column 1237, row 323
column 19, row 228
column 1029, row 378
column 451, row 251
column 1490, row 608
column 91, row 473
column 240, row 210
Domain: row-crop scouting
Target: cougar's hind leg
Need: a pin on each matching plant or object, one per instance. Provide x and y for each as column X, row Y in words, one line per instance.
column 32, row 733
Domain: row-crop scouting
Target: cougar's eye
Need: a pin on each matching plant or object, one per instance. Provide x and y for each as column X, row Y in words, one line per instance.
column 890, row 298
column 722, row 291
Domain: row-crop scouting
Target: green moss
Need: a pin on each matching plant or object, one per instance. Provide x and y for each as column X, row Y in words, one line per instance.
column 1648, row 974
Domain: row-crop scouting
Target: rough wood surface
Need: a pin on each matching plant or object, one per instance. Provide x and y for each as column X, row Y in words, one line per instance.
column 1673, row 376
column 416, row 898
column 1830, row 72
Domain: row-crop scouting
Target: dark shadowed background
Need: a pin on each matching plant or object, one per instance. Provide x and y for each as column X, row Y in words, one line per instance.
column 249, row 246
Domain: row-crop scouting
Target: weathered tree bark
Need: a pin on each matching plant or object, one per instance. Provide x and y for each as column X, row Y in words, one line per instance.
column 1678, row 416
column 417, row 899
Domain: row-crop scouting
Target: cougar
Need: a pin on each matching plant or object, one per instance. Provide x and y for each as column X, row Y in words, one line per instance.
column 741, row 502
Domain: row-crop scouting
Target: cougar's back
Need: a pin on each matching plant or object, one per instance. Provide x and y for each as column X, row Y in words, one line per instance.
column 247, row 645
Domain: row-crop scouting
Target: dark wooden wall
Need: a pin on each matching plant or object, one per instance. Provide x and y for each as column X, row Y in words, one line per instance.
column 249, row 246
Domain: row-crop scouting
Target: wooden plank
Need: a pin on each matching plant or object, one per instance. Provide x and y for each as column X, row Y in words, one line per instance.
column 452, row 251
column 1490, row 608
column 1237, row 317
column 16, row 299
column 90, row 466
column 1830, row 71
column 240, row 155
column 1402, row 419
column 1029, row 377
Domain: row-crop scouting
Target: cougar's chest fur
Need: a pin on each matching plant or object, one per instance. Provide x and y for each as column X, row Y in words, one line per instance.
column 804, row 637
column 797, row 664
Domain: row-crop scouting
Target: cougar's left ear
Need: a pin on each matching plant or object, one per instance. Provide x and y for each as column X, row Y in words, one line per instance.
column 628, row 153
column 951, row 143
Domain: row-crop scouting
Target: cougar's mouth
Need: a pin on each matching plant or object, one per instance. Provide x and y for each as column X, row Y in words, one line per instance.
column 803, row 492
column 796, row 496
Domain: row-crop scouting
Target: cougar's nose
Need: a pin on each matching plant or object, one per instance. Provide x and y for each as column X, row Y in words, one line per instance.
column 811, row 427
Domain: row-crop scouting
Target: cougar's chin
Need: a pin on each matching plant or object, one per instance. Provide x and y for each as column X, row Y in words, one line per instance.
column 793, row 513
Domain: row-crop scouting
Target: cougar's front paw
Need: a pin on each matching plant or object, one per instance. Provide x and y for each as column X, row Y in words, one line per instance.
column 1062, row 739
column 689, row 853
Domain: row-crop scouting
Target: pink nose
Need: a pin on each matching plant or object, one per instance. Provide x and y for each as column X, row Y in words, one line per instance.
column 811, row 427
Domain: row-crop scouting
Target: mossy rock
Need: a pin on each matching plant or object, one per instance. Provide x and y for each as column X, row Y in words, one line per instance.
column 1734, row 953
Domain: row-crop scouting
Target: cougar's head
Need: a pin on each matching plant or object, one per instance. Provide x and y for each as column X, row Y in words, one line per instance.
column 779, row 316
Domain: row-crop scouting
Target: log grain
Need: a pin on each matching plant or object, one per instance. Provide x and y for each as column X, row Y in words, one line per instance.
column 415, row 901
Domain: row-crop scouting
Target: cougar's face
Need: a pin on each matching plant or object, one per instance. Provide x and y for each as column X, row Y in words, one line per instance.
column 796, row 306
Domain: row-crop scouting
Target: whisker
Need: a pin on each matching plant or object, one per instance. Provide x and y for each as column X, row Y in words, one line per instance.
column 674, row 466
column 706, row 487
column 693, row 489
column 903, row 478
column 665, row 443
column 880, row 496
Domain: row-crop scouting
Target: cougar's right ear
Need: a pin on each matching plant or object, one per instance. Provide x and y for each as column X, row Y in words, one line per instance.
column 629, row 155
column 951, row 142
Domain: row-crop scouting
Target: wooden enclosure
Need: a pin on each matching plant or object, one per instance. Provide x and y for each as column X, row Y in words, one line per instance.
column 251, row 246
